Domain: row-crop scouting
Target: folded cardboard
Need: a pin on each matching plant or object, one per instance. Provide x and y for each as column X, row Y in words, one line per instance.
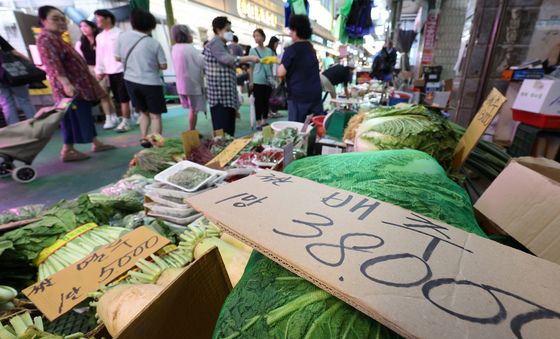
column 188, row 307
column 418, row 276
column 539, row 96
column 524, row 201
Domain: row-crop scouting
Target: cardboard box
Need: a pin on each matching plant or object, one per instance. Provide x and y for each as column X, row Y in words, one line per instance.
column 188, row 307
column 524, row 201
column 539, row 96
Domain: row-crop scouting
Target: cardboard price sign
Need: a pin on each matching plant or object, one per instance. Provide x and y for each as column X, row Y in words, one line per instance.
column 418, row 276
column 478, row 126
column 191, row 139
column 65, row 289
column 225, row 156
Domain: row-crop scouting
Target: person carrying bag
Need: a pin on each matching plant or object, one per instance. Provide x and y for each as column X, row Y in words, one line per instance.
column 16, row 72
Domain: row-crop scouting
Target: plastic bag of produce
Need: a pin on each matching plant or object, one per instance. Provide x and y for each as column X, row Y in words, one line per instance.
column 20, row 213
column 271, row 302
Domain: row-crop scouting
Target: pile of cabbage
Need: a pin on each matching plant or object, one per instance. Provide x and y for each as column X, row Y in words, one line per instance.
column 271, row 302
column 405, row 127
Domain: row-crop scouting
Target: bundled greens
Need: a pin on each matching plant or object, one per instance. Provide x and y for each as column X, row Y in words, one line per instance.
column 63, row 217
column 19, row 247
column 487, row 159
column 406, row 126
column 271, row 302
column 151, row 161
column 22, row 326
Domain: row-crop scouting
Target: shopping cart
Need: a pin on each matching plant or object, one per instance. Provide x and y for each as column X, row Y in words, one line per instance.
column 23, row 141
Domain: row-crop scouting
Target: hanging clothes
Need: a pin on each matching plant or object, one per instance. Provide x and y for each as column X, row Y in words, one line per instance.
column 295, row 7
column 343, row 17
column 359, row 23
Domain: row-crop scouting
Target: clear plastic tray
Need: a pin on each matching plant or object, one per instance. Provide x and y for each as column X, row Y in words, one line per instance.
column 166, row 200
column 215, row 176
column 170, row 211
column 178, row 221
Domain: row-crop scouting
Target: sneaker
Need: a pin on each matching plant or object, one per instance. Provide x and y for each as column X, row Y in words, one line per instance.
column 134, row 119
column 110, row 123
column 124, row 126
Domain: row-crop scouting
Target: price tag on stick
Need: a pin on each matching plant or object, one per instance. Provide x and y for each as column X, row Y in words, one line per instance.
column 65, row 289
column 478, row 126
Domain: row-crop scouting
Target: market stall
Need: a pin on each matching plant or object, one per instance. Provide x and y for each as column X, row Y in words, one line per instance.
column 116, row 262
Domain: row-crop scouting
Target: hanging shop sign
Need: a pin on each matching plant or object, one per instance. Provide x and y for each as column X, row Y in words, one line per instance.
column 250, row 10
column 266, row 12
column 317, row 39
column 430, row 34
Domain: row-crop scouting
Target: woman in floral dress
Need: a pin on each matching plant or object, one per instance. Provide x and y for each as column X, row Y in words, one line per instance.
column 70, row 77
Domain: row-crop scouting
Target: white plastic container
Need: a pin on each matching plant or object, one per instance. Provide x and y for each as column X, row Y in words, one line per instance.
column 214, row 175
column 280, row 125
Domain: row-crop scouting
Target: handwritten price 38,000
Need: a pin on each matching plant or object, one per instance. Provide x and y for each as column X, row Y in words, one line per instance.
column 437, row 234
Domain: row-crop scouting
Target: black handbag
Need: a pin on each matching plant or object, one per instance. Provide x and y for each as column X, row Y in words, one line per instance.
column 279, row 98
column 17, row 72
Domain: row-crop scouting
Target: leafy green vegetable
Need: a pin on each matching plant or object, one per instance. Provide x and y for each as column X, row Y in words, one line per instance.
column 63, row 217
column 271, row 302
column 129, row 201
column 413, row 127
column 151, row 161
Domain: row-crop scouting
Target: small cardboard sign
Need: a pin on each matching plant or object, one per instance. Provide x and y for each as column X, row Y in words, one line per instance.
column 288, row 154
column 191, row 139
column 225, row 156
column 219, row 133
column 420, row 277
column 478, row 126
column 65, row 289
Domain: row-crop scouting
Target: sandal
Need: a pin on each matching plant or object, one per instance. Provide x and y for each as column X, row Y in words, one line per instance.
column 102, row 148
column 73, row 155
column 145, row 143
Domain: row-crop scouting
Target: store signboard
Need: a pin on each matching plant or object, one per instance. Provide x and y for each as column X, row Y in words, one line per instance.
column 65, row 289
column 430, row 35
column 420, row 277
column 478, row 126
column 317, row 39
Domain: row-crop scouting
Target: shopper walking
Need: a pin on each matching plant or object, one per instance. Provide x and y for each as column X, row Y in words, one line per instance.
column 189, row 72
column 261, row 78
column 300, row 66
column 13, row 97
column 107, row 66
column 384, row 62
column 69, row 77
column 143, row 59
column 86, row 48
column 219, row 67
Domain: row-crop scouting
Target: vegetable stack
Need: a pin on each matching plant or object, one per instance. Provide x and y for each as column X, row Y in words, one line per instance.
column 74, row 246
column 119, row 304
column 405, row 127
